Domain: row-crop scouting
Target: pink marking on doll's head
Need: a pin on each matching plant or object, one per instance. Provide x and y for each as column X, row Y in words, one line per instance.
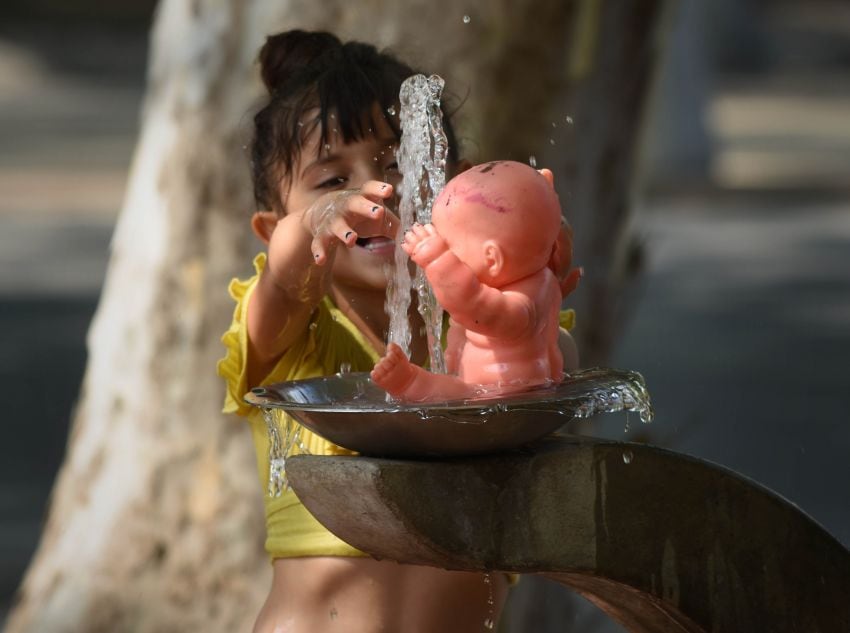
column 480, row 198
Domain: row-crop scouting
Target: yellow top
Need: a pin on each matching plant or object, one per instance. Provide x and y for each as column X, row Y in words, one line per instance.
column 291, row 530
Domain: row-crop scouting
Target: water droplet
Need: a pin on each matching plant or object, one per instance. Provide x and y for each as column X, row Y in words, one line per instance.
column 532, row 160
column 301, row 124
column 467, row 19
column 391, row 111
column 313, row 325
column 554, row 124
column 489, row 624
column 333, row 116
column 327, row 147
column 345, row 368
column 628, row 456
column 569, row 120
column 551, row 141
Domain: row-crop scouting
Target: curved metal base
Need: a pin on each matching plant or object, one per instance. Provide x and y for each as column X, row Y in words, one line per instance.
column 664, row 542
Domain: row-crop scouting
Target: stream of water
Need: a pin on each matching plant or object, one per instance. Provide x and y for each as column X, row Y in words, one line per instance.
column 422, row 161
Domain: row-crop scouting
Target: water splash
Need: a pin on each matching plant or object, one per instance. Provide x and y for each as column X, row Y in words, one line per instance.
column 422, row 162
column 612, row 391
column 284, row 441
column 581, row 394
column 489, row 621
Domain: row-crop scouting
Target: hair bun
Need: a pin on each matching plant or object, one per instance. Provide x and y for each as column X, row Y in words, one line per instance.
column 285, row 53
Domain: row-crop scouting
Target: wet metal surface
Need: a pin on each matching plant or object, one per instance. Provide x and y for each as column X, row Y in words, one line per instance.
column 349, row 410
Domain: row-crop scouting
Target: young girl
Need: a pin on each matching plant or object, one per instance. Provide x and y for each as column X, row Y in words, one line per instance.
column 325, row 173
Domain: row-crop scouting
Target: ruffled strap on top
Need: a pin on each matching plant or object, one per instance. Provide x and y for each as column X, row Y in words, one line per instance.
column 233, row 367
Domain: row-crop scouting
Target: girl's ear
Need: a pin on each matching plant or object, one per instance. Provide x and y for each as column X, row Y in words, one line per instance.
column 263, row 224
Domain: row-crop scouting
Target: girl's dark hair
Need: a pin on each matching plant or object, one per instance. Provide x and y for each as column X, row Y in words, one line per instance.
column 305, row 70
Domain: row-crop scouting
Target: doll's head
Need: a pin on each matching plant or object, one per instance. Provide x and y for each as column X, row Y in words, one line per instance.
column 501, row 219
column 315, row 80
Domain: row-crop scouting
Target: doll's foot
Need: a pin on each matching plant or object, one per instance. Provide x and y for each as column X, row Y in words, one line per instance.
column 394, row 372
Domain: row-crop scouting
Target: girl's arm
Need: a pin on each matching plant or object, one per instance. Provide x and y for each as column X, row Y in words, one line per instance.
column 301, row 248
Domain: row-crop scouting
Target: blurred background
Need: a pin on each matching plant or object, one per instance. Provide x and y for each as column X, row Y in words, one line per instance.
column 740, row 325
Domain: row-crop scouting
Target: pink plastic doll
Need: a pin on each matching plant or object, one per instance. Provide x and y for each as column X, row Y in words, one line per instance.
column 490, row 254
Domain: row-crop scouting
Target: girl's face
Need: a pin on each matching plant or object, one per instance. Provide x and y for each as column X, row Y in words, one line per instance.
column 338, row 166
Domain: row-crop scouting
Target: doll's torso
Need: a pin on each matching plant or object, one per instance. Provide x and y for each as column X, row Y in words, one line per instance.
column 530, row 357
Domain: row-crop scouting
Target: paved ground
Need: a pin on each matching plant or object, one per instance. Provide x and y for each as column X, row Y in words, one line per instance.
column 740, row 329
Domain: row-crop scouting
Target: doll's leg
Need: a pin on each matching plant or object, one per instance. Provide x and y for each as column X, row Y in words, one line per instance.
column 402, row 379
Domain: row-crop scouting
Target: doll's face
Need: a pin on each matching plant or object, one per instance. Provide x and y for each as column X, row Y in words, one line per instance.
column 500, row 218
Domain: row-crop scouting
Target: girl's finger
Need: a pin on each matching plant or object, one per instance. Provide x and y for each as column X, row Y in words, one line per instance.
column 377, row 190
column 319, row 250
column 365, row 208
column 339, row 228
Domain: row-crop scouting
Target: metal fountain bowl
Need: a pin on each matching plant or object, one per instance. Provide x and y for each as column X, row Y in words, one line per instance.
column 351, row 411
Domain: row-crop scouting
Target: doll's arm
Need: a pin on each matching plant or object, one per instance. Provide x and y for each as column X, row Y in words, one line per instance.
column 474, row 305
column 477, row 307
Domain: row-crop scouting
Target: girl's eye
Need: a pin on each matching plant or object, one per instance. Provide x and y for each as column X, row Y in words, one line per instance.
column 331, row 182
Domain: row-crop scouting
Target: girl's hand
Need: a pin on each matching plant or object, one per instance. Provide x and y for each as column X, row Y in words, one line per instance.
column 343, row 216
column 562, row 258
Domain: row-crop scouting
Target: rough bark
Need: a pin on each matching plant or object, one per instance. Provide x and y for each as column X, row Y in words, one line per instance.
column 155, row 523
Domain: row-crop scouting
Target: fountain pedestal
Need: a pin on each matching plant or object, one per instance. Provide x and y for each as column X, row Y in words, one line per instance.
column 664, row 542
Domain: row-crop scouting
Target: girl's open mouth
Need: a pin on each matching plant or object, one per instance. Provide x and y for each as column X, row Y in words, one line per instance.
column 379, row 245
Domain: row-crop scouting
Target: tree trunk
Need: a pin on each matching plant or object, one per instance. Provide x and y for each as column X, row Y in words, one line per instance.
column 155, row 523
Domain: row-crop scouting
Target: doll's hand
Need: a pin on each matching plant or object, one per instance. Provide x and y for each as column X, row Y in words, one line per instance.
column 423, row 244
column 343, row 216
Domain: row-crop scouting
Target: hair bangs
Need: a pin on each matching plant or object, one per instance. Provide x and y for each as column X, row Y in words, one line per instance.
column 347, row 98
